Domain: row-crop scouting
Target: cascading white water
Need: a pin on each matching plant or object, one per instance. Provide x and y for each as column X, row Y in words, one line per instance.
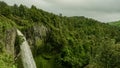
column 26, row 54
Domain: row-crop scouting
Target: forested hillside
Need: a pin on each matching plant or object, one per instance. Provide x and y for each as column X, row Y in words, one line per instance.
column 57, row 41
column 115, row 23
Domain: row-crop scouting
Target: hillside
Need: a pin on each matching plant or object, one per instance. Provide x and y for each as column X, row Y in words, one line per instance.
column 57, row 41
column 116, row 23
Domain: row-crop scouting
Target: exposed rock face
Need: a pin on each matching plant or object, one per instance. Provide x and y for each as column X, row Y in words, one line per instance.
column 40, row 31
column 10, row 41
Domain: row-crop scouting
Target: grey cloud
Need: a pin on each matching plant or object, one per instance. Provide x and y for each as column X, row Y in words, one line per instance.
column 90, row 5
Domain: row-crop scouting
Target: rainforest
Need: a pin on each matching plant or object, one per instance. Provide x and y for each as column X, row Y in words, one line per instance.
column 34, row 38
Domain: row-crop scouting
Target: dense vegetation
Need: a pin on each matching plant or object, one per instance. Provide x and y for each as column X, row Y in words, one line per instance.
column 115, row 23
column 62, row 42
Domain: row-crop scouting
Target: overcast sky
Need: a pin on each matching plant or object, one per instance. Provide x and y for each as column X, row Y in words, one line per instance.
column 102, row 10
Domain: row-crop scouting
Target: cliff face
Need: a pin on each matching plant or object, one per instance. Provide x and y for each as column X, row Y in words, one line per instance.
column 10, row 41
column 7, row 42
column 10, row 45
column 8, row 35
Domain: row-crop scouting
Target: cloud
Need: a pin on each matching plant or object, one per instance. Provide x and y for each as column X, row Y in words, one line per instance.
column 102, row 10
column 90, row 5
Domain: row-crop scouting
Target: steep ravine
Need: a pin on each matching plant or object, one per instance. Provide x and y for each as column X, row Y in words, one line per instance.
column 26, row 54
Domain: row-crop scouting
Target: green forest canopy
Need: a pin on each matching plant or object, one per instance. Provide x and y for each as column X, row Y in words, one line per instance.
column 70, row 42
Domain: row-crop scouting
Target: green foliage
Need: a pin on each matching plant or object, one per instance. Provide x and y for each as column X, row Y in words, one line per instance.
column 41, row 62
column 6, row 61
column 73, row 42
column 116, row 23
column 5, row 24
column 19, row 40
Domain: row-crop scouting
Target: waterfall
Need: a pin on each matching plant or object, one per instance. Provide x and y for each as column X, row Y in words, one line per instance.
column 26, row 54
